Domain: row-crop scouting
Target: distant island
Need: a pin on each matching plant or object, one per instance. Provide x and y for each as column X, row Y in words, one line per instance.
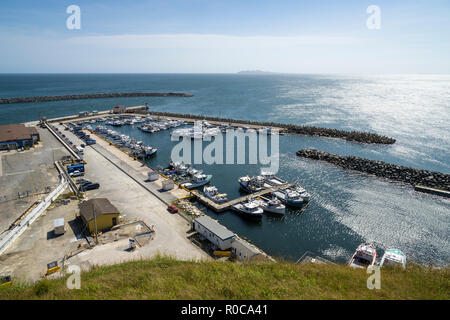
column 256, row 72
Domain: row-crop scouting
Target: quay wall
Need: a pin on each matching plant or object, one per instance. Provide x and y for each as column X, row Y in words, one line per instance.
column 92, row 96
column 430, row 179
column 354, row 136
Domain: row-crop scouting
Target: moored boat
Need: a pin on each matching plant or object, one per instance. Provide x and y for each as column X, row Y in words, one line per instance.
column 364, row 256
column 212, row 193
column 198, row 180
column 249, row 209
column 393, row 257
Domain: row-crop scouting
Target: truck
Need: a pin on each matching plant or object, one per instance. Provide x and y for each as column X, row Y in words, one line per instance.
column 75, row 167
column 79, row 150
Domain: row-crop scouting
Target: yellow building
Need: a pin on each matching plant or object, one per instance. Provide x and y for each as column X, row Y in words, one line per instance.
column 100, row 212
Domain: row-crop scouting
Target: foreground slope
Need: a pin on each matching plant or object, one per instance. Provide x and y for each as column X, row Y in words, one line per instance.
column 167, row 278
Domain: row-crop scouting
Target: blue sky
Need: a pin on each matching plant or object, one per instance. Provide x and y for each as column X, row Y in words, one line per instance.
column 225, row 36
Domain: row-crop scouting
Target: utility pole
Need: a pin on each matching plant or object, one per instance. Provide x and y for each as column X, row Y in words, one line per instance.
column 95, row 223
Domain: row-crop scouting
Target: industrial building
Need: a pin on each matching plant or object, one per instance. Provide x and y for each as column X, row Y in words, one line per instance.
column 15, row 136
column 98, row 213
column 212, row 230
column 224, row 239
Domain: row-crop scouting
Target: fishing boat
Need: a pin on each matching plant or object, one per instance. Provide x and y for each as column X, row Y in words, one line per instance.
column 198, row 180
column 364, row 256
column 250, row 209
column 273, row 205
column 305, row 195
column 393, row 257
column 213, row 194
column 251, row 185
column 289, row 197
column 149, row 151
column 272, row 179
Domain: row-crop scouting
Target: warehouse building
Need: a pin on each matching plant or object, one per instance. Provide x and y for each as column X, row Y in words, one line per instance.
column 99, row 212
column 15, row 136
column 216, row 233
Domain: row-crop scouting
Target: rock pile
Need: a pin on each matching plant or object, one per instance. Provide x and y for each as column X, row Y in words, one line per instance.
column 92, row 96
column 394, row 172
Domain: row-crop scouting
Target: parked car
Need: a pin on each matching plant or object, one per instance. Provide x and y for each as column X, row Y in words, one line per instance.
column 172, row 209
column 81, row 181
column 89, row 186
column 76, row 173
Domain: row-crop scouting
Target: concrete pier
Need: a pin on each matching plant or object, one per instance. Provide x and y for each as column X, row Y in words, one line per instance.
column 227, row 205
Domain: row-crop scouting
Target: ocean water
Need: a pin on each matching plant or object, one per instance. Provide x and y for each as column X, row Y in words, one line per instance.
column 346, row 208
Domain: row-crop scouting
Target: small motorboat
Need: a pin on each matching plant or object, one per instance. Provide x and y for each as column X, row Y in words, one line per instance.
column 364, row 256
column 393, row 257
column 212, row 193
column 273, row 205
column 289, row 197
column 250, row 209
column 198, row 180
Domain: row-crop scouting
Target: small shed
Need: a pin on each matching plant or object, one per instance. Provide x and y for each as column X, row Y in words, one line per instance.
column 99, row 213
column 153, row 176
column 167, row 184
column 58, row 226
column 216, row 233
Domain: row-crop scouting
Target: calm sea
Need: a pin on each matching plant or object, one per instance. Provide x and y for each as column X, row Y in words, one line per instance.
column 346, row 208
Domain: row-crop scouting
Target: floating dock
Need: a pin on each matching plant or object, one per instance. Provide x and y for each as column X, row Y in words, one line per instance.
column 227, row 205
column 439, row 192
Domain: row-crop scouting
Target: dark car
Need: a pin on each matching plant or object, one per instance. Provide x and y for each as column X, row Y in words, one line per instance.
column 89, row 186
column 82, row 181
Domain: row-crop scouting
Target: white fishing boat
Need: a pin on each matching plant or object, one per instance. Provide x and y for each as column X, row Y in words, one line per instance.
column 212, row 193
column 273, row 205
column 364, row 256
column 393, row 257
column 253, row 184
column 250, row 209
column 289, row 197
column 198, row 180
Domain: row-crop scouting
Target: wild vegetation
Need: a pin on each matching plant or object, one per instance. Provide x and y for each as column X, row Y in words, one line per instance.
column 167, row 278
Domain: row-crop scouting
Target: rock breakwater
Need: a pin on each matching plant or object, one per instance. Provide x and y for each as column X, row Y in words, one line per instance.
column 390, row 171
column 92, row 96
column 354, row 136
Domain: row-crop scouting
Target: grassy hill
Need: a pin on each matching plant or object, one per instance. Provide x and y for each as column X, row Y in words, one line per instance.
column 166, row 278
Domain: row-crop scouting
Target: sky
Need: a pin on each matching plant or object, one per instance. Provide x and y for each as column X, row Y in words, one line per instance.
column 215, row 36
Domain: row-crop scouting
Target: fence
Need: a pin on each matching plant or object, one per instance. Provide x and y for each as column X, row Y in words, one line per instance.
column 10, row 236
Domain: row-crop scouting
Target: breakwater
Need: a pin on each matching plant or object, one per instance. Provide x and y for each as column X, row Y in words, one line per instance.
column 354, row 136
column 92, row 96
column 390, row 171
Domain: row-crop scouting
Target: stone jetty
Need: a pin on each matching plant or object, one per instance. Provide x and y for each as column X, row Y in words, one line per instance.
column 390, row 171
column 354, row 136
column 92, row 96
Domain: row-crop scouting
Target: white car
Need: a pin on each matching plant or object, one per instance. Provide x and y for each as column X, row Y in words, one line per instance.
column 76, row 173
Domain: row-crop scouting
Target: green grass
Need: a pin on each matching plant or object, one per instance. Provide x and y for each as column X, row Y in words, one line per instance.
column 167, row 278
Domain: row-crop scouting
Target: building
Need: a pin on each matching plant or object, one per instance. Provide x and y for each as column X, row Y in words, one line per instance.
column 243, row 250
column 14, row 136
column 98, row 212
column 212, row 230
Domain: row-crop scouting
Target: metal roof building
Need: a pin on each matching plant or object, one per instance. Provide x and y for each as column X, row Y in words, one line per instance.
column 214, row 232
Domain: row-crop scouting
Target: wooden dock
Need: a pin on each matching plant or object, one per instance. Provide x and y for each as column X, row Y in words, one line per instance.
column 227, row 205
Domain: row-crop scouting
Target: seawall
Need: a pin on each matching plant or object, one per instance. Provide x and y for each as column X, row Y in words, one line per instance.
column 354, row 136
column 92, row 96
column 430, row 179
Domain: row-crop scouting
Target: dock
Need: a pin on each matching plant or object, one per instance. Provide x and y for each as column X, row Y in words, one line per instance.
column 439, row 192
column 227, row 205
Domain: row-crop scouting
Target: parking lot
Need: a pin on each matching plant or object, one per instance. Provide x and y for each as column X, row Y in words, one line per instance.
column 27, row 174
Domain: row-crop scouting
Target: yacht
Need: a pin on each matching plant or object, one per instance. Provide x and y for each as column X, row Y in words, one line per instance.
column 393, row 257
column 289, row 197
column 364, row 256
column 213, row 194
column 250, row 209
column 198, row 180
